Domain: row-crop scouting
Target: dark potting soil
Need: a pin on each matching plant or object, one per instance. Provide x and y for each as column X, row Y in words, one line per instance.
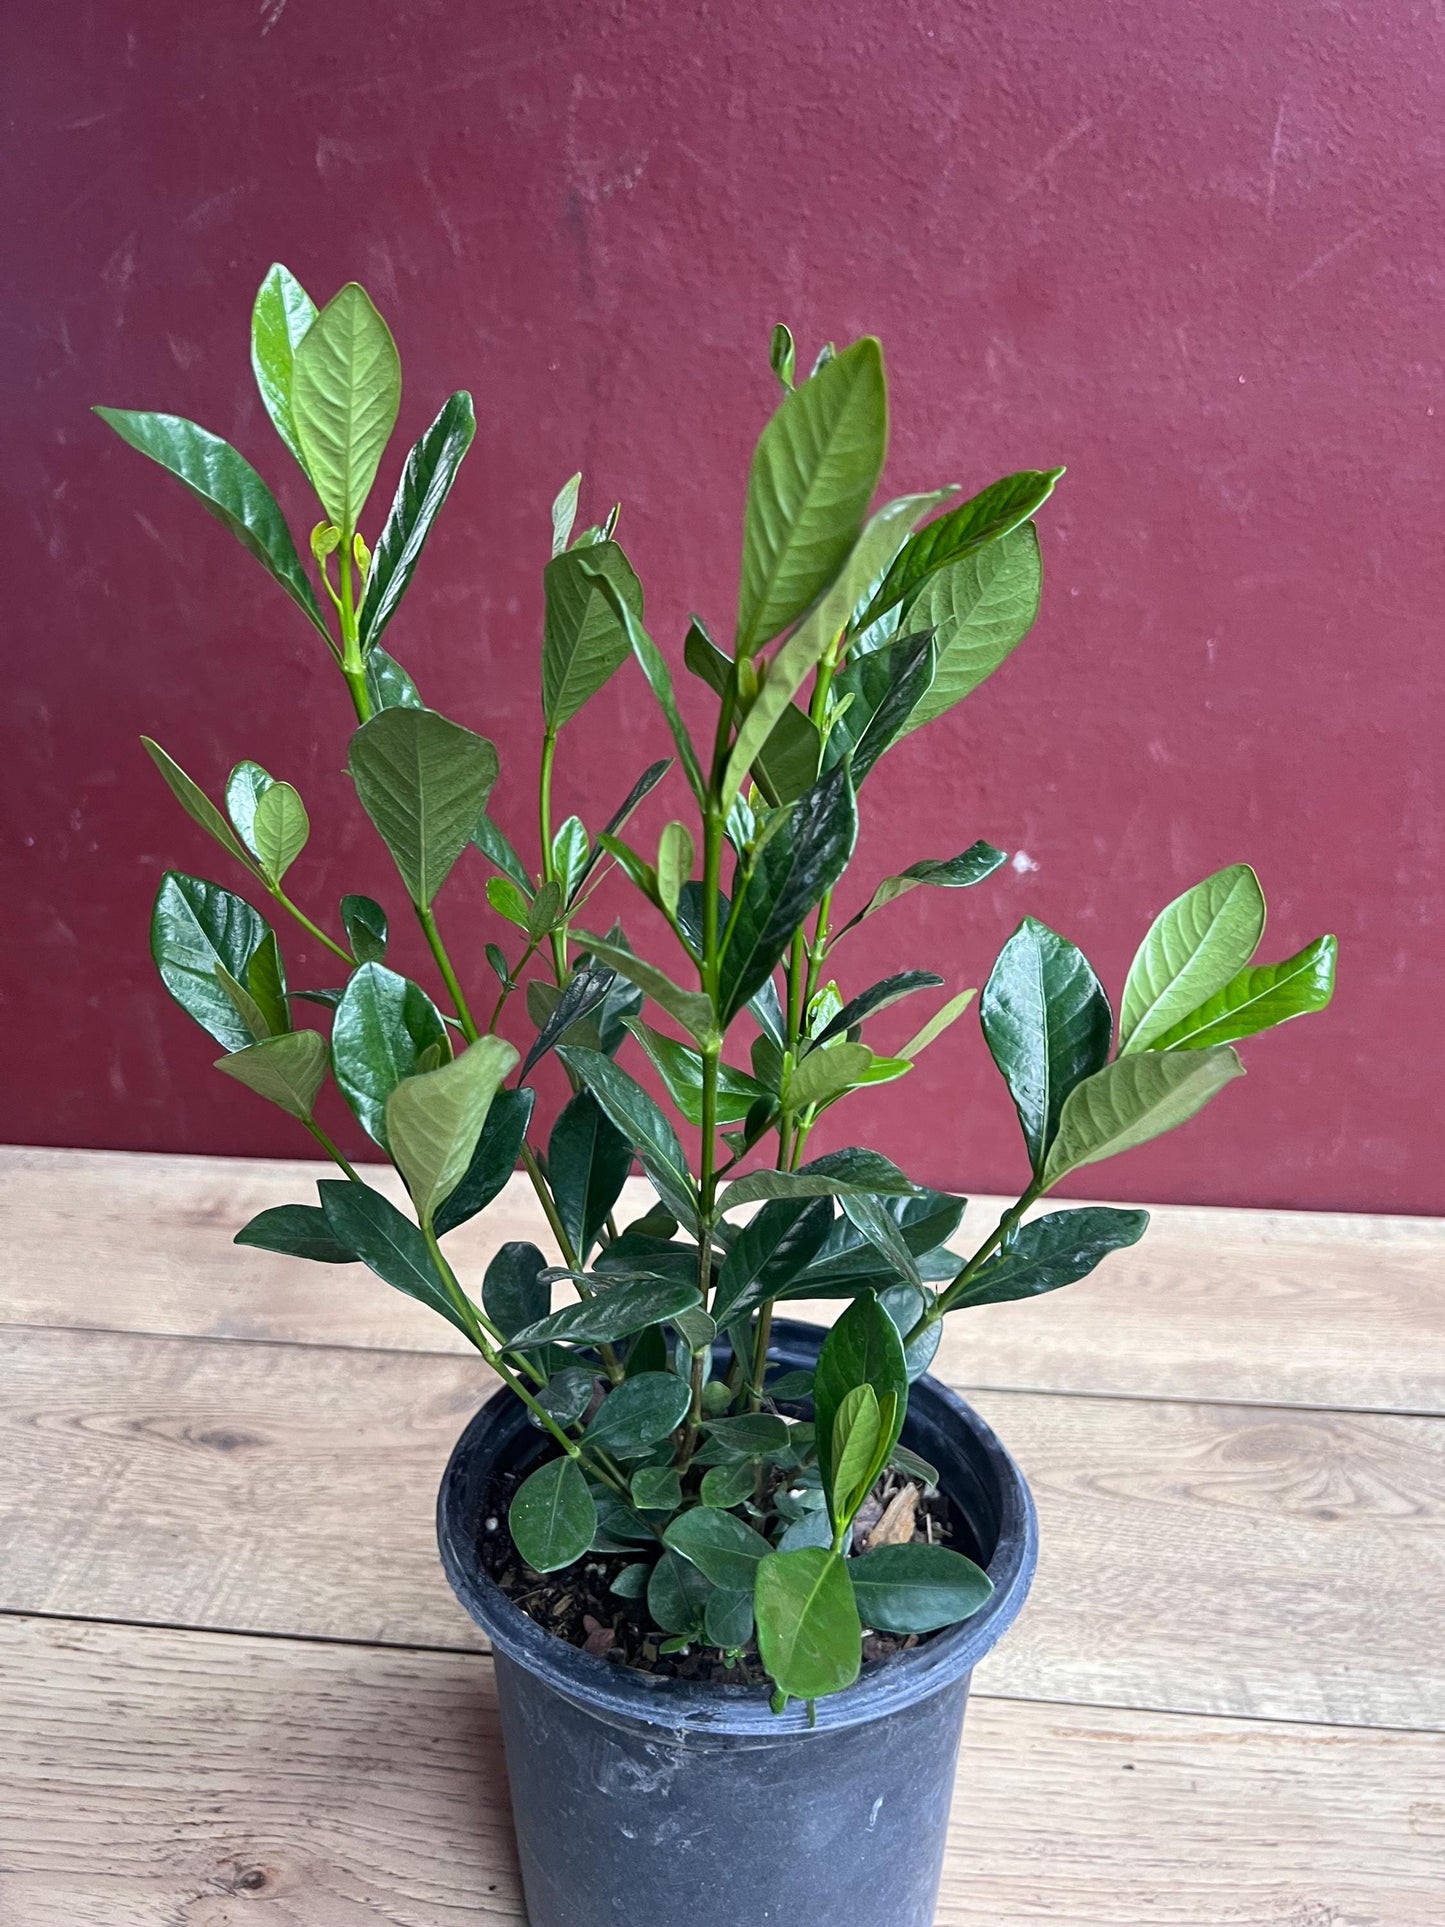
column 579, row 1606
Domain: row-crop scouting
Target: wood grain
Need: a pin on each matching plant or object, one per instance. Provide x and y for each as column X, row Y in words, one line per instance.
column 1266, row 1307
column 1221, row 1559
column 163, row 1779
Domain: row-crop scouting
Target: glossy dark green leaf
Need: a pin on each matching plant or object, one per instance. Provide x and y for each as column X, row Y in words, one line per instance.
column 831, row 1175
column 725, row 1486
column 751, row 1436
column 426, row 481
column 905, row 1304
column 692, row 1009
column 847, row 1262
column 515, row 1292
column 787, row 764
column 802, row 861
column 863, row 1348
column 722, row 1547
column 881, row 1230
column 364, row 921
column 617, row 1312
column 493, row 1161
column 916, row 1589
column 884, row 688
column 877, row 997
column 638, row 1414
column 813, row 472
column 298, row 1231
column 552, row 1516
column 677, row 1595
column 585, row 990
column 226, row 484
column 809, row 1633
column 388, row 1243
column 570, row 847
column 1194, row 947
column 568, row 1393
column 434, row 1119
column 971, row 526
column 196, row 926
column 656, row 1488
column 631, row 1582
column 345, row 395
column 641, row 1122
column 1054, row 1250
column 583, row 641
column 496, row 847
column 653, row 665
column 680, row 1068
column 245, row 787
column 1133, row 1100
column 196, row 804
column 279, row 321
column 388, row 684
column 1048, row 1025
column 1260, row 997
column 727, row 1619
column 383, row 1025
column 588, row 1160
column 287, row 1070
column 769, row 1250
column 424, row 782
column 979, row 610
column 960, row 872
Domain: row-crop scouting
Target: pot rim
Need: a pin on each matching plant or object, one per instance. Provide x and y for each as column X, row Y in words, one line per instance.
column 700, row 1708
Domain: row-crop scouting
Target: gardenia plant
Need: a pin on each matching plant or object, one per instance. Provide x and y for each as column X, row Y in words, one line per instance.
column 666, row 1439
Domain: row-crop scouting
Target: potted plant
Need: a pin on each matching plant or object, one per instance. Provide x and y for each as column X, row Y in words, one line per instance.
column 735, row 1572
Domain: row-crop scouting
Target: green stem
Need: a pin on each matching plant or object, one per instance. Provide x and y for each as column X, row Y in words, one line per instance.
column 320, row 935
column 544, row 824
column 331, row 1149
column 513, row 976
column 449, row 976
column 708, row 971
column 946, row 1300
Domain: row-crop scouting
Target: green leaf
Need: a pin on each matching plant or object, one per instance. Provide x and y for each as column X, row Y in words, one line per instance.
column 498, row 850
column 382, row 1027
column 782, row 354
column 1193, row 948
column 857, row 1430
column 279, row 830
column 279, row 321
column 247, row 1008
column 226, row 484
column 345, row 395
column 639, row 1413
column 364, row 922
column 567, row 1393
column 196, row 926
column 617, row 1312
column 727, row 1619
column 194, row 801
column 298, row 1231
column 675, row 855
column 826, row 1073
column 680, row 1068
column 515, row 1290
column 972, row 525
column 809, row 1634
column 588, row 1160
column 653, row 665
column 787, row 764
column 287, row 1070
column 725, row 1486
column 1135, row 1099
column 1047, row 1023
column 938, row 1023
column 816, row 465
column 656, row 1488
column 433, row 1121
column 750, row 1436
column 719, row 1544
column 960, row 872
column 509, row 901
column 569, row 855
column 882, row 689
column 798, row 864
column 387, row 683
column 424, row 782
column 771, row 1249
column 641, row 1122
column 879, row 996
column 644, row 786
column 677, row 1595
column 979, row 610
column 1052, row 1251
column 564, row 512
column 426, row 481
column 266, row 981
column 493, row 1161
column 1260, row 997
column 553, row 1516
column 882, row 1231
column 863, row 1348
column 388, row 1243
column 586, row 989
column 245, row 787
column 692, row 1009
column 916, row 1589
column 584, row 641
column 544, row 910
column 832, row 1175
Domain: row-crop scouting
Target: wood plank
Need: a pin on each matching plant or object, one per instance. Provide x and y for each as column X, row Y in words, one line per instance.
column 1266, row 1307
column 161, row 1779
column 1218, row 1559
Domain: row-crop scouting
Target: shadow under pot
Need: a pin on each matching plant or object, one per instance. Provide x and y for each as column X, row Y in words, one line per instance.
column 656, row 1801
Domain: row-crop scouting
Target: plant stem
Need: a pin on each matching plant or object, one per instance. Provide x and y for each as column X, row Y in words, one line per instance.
column 352, row 666
column 544, row 824
column 301, row 917
column 332, row 1150
column 946, row 1300
column 449, row 976
column 707, row 1159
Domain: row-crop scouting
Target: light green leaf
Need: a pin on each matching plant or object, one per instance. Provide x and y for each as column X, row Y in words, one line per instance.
column 675, row 854
column 570, row 848
column 1135, row 1099
column 986, row 517
column 583, row 639
column 279, row 322
column 226, row 484
column 553, row 1516
column 826, row 1073
column 1193, row 948
column 279, row 830
column 288, row 1070
column 424, row 782
column 433, row 1121
column 856, row 1434
column 980, row 609
column 815, row 467
column 680, row 1068
column 194, row 801
column 345, row 395
column 1257, row 999
column 938, row 1023
column 692, row 1009
column 809, row 1633
column 426, row 481
column 564, row 513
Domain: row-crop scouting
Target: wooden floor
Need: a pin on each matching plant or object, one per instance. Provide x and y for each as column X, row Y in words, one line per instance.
column 234, row 1688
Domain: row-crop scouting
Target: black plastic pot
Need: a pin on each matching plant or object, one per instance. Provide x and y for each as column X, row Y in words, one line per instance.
column 666, row 1803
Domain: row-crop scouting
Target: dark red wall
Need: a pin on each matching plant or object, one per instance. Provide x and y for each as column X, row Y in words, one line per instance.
column 1193, row 251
